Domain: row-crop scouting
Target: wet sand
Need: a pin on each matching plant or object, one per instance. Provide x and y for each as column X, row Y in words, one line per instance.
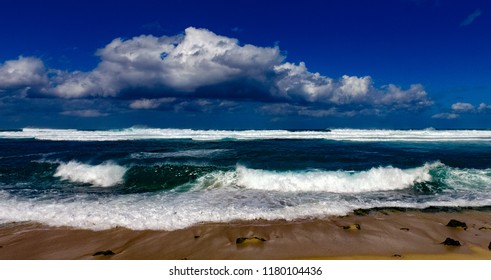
column 380, row 234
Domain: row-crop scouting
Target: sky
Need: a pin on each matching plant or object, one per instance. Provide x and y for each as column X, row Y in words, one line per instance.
column 388, row 64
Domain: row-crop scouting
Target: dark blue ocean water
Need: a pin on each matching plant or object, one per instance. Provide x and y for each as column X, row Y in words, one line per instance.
column 169, row 179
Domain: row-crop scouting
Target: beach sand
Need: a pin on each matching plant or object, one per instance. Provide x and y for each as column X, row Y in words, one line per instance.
column 374, row 234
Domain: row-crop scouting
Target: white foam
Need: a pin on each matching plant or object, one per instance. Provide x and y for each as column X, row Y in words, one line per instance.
column 159, row 212
column 248, row 194
column 468, row 178
column 165, row 211
column 335, row 134
column 106, row 174
column 375, row 179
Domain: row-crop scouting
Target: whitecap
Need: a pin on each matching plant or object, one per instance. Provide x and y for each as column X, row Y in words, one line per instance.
column 106, row 174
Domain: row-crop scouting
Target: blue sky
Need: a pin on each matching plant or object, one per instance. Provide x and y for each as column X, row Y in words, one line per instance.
column 245, row 64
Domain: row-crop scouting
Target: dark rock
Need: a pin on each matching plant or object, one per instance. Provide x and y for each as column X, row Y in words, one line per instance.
column 196, row 236
column 489, row 246
column 104, row 253
column 457, row 224
column 451, row 242
column 451, row 209
column 397, row 256
column 404, row 228
column 240, row 240
column 352, row 227
column 389, row 210
column 249, row 240
column 361, row 212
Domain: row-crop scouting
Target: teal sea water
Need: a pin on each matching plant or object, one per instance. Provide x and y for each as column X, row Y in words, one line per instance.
column 168, row 179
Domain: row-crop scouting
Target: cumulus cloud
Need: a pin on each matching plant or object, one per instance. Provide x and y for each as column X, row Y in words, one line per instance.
column 483, row 107
column 150, row 103
column 200, row 65
column 448, row 116
column 178, row 63
column 203, row 58
column 296, row 82
column 25, row 72
column 462, row 107
column 414, row 97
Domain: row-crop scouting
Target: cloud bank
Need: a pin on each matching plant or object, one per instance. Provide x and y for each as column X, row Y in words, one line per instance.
column 463, row 108
column 198, row 66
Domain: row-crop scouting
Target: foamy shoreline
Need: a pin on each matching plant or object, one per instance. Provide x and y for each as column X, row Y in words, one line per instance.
column 380, row 234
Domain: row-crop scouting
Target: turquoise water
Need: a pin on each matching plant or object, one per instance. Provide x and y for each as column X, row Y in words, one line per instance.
column 169, row 178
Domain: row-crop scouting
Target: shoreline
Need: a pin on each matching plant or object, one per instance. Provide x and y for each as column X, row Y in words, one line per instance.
column 367, row 234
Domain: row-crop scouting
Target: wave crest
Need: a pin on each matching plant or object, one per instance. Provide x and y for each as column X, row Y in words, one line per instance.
column 106, row 174
column 359, row 135
column 376, row 179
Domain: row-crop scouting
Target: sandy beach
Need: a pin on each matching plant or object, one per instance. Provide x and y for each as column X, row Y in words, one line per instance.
column 378, row 234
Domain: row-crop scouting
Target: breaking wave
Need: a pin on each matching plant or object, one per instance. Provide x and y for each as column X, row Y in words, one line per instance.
column 244, row 194
column 106, row 174
column 427, row 135
column 375, row 179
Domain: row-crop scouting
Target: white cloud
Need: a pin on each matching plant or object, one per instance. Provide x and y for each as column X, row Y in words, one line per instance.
column 353, row 88
column 414, row 97
column 448, row 116
column 201, row 58
column 148, row 68
column 182, row 63
column 204, row 58
column 80, row 84
column 144, row 104
column 133, row 63
column 84, row 113
column 22, row 73
column 484, row 107
column 150, row 103
column 296, row 82
column 462, row 107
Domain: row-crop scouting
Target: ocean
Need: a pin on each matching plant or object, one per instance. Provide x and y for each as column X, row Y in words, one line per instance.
column 168, row 179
